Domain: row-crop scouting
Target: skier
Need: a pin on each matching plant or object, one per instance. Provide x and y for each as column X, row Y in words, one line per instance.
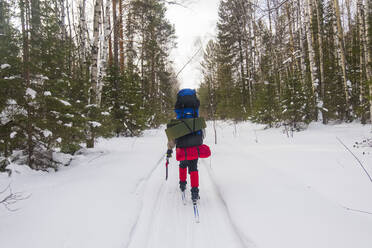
column 186, row 133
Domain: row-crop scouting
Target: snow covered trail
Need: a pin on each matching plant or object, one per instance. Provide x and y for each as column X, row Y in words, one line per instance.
column 292, row 192
column 166, row 222
column 259, row 189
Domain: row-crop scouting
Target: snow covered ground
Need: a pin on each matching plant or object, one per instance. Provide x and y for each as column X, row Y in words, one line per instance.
column 259, row 189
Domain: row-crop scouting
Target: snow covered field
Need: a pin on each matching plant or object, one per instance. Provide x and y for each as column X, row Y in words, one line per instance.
column 259, row 189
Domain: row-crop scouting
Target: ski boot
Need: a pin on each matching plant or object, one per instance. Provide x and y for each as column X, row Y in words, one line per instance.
column 195, row 195
column 183, row 186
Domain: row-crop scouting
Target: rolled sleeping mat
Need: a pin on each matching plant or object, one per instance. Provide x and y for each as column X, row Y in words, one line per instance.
column 177, row 128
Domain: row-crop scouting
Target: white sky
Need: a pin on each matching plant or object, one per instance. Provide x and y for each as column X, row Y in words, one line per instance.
column 195, row 25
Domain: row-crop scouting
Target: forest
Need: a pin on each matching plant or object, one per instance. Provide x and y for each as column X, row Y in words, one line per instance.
column 290, row 62
column 74, row 71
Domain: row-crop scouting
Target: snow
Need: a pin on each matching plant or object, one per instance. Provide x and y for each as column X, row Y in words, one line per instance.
column 64, row 102
column 59, row 140
column 62, row 158
column 4, row 66
column 9, row 112
column 105, row 113
column 39, row 79
column 259, row 189
column 47, row 93
column 42, row 77
column 95, row 124
column 91, row 106
column 47, row 133
column 316, row 82
column 287, row 61
column 12, row 135
column 11, row 102
column 30, row 92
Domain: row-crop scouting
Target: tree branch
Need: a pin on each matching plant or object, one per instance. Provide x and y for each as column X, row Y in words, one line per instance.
column 365, row 170
column 188, row 62
column 12, row 198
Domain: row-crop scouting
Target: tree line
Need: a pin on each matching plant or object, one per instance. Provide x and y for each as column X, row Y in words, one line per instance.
column 290, row 62
column 72, row 71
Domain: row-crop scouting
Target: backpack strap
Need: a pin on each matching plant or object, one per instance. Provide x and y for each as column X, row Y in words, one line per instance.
column 193, row 123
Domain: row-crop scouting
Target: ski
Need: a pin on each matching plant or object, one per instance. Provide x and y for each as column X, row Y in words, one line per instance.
column 183, row 196
column 196, row 212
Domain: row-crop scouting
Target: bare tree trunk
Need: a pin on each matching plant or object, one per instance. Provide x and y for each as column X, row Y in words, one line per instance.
column 301, row 38
column 82, row 30
column 106, row 38
column 288, row 8
column 342, row 55
column 347, row 5
column 75, row 54
column 367, row 50
column 115, row 61
column 349, row 18
column 94, row 67
column 63, row 23
column 110, row 55
column 251, row 66
column 116, row 34
column 242, row 40
column 362, row 58
column 69, row 56
column 311, row 51
column 24, row 7
column 321, row 59
column 95, row 49
column 309, row 36
column 269, row 11
column 121, row 41
column 242, row 74
column 247, row 59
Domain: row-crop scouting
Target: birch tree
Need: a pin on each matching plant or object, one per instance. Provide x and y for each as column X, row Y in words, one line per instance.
column 95, row 50
column 321, row 56
column 83, row 30
column 341, row 51
column 367, row 49
column 309, row 38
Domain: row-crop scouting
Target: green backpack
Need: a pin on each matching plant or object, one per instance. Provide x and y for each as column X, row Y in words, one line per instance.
column 177, row 128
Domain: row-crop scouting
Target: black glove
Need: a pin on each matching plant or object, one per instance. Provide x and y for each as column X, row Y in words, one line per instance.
column 169, row 153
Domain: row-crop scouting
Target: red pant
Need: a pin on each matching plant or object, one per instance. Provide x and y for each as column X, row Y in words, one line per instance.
column 193, row 170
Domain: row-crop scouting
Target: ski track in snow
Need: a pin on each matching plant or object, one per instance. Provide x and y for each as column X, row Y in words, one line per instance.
column 164, row 221
column 140, row 186
column 243, row 239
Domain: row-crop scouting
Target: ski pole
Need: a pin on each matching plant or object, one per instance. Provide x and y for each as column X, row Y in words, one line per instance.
column 166, row 169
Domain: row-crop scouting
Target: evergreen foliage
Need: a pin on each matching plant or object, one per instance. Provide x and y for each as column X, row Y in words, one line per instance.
column 47, row 101
column 261, row 64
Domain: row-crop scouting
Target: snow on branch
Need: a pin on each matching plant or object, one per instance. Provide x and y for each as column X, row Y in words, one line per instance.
column 181, row 3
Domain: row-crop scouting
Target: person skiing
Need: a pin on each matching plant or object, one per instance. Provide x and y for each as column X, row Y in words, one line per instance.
column 186, row 134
